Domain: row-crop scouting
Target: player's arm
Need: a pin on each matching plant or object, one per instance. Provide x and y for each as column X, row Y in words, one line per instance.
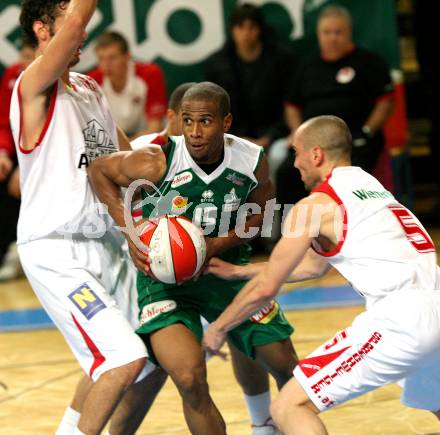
column 286, row 256
column 312, row 266
column 48, row 67
column 260, row 195
column 108, row 173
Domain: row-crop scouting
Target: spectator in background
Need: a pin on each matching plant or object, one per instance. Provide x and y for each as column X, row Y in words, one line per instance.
column 135, row 91
column 342, row 80
column 9, row 203
column 255, row 70
column 346, row 81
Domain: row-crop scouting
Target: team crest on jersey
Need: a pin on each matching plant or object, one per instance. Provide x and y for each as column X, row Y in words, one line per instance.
column 345, row 75
column 179, row 204
column 97, row 140
column 235, row 179
column 87, row 301
column 207, row 196
column 232, row 201
column 183, row 178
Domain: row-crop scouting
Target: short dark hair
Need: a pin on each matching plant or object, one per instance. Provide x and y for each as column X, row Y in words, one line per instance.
column 247, row 11
column 175, row 100
column 110, row 38
column 45, row 11
column 208, row 91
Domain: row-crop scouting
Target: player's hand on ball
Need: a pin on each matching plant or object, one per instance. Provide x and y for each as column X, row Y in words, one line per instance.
column 140, row 258
column 221, row 268
column 213, row 340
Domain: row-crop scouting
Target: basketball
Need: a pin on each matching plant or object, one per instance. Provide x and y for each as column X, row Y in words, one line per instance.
column 177, row 248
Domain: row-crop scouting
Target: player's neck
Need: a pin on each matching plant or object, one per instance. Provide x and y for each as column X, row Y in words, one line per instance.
column 66, row 78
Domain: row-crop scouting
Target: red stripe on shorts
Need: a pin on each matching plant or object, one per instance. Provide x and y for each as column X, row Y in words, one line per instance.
column 99, row 358
column 310, row 366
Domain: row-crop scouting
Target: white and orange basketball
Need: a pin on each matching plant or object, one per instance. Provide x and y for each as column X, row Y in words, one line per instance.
column 177, row 248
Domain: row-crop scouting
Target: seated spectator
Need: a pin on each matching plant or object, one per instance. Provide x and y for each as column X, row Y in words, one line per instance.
column 255, row 70
column 347, row 81
column 135, row 91
column 9, row 202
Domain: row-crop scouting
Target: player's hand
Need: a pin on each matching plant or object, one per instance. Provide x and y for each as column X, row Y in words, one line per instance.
column 222, row 269
column 211, row 250
column 213, row 340
column 140, row 258
column 5, row 165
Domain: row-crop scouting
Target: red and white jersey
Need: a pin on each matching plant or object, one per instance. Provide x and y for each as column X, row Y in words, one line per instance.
column 384, row 246
column 143, row 97
column 57, row 197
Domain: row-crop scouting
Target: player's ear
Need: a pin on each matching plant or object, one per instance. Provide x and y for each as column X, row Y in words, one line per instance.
column 41, row 31
column 227, row 121
column 317, row 155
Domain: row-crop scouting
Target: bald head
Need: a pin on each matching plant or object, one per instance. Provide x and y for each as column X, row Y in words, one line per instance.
column 208, row 91
column 329, row 133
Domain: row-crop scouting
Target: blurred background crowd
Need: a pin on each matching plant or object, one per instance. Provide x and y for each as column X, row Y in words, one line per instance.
column 282, row 62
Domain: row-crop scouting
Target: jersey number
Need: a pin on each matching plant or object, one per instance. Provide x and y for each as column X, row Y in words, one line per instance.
column 414, row 232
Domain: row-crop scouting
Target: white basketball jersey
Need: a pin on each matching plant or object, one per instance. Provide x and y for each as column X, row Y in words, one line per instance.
column 384, row 247
column 57, row 197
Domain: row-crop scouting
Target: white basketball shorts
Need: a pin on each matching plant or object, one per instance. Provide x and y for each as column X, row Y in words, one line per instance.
column 73, row 280
column 397, row 340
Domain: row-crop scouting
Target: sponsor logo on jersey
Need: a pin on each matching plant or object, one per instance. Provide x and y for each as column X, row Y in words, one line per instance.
column 345, row 75
column 97, row 143
column 179, row 204
column 87, row 301
column 235, row 179
column 232, row 201
column 371, row 194
column 266, row 314
column 153, row 310
column 183, row 178
column 207, row 196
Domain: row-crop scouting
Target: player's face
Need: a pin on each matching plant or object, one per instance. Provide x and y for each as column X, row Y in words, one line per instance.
column 334, row 37
column 112, row 61
column 304, row 163
column 246, row 35
column 203, row 128
column 59, row 21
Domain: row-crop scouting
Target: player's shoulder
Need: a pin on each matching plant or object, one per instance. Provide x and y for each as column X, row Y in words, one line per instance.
column 241, row 144
column 147, row 139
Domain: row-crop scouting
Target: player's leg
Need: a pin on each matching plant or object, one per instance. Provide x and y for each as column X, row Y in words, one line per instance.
column 279, row 359
column 294, row 413
column 136, row 402
column 101, row 339
column 254, row 382
column 178, row 351
column 72, row 413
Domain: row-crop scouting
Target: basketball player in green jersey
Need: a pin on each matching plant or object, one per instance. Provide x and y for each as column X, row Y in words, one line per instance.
column 209, row 174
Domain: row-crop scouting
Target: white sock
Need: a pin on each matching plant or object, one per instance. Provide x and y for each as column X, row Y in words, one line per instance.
column 258, row 407
column 78, row 432
column 69, row 422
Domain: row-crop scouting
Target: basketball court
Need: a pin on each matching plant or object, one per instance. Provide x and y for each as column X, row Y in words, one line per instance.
column 38, row 374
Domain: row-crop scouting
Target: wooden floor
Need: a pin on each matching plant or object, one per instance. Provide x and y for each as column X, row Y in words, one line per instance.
column 38, row 375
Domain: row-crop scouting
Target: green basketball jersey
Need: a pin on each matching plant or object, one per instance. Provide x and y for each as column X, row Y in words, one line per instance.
column 212, row 201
